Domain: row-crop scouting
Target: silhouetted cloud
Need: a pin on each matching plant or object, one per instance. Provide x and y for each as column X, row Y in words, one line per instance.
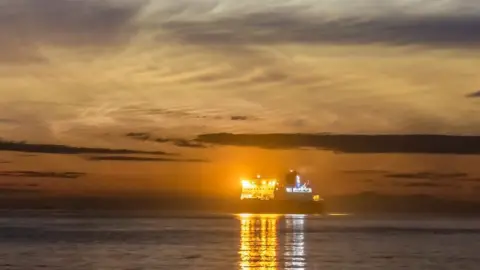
column 40, row 174
column 428, row 175
column 142, row 136
column 141, row 159
column 64, row 149
column 289, row 26
column 474, row 94
column 352, row 144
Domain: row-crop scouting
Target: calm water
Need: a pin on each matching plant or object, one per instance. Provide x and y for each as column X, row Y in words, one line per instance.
column 239, row 242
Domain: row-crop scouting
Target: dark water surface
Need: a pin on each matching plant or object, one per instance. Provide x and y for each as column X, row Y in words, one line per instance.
column 239, row 242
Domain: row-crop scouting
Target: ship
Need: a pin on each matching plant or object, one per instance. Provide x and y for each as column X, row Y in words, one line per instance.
column 291, row 195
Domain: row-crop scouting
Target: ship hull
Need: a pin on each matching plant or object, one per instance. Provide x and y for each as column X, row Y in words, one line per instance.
column 279, row 207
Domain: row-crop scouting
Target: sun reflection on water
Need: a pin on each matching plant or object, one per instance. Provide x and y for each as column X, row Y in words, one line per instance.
column 258, row 242
column 261, row 245
column 294, row 254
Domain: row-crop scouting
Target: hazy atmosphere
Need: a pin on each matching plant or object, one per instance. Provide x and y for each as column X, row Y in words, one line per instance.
column 160, row 97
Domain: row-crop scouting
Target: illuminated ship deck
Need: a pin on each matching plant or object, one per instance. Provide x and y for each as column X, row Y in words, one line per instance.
column 269, row 195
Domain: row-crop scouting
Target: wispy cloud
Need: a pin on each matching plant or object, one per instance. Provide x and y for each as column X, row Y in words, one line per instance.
column 42, row 174
column 223, row 22
column 277, row 60
column 354, row 144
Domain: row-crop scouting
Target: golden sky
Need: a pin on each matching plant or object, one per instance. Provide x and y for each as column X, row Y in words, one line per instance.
column 87, row 72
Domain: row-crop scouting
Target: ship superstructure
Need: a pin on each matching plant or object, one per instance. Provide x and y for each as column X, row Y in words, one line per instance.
column 259, row 188
column 295, row 188
column 292, row 188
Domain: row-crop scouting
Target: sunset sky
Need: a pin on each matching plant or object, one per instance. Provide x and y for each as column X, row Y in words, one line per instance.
column 151, row 76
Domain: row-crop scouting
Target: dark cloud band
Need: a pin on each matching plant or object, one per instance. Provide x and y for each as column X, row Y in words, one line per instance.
column 141, row 159
column 290, row 27
column 141, row 136
column 39, row 174
column 474, row 94
column 353, row 144
column 65, row 149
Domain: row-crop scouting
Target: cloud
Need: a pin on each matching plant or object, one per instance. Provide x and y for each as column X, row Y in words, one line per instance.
column 474, row 95
column 139, row 136
column 8, row 121
column 366, row 171
column 65, row 149
column 295, row 26
column 416, row 179
column 352, row 144
column 428, row 185
column 141, row 159
column 18, row 191
column 27, row 25
column 170, row 112
column 241, row 118
column 428, row 175
column 142, row 136
column 187, row 143
column 69, row 22
column 16, row 185
column 377, row 202
column 39, row 174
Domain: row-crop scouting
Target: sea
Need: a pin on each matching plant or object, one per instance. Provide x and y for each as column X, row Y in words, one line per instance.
column 239, row 241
